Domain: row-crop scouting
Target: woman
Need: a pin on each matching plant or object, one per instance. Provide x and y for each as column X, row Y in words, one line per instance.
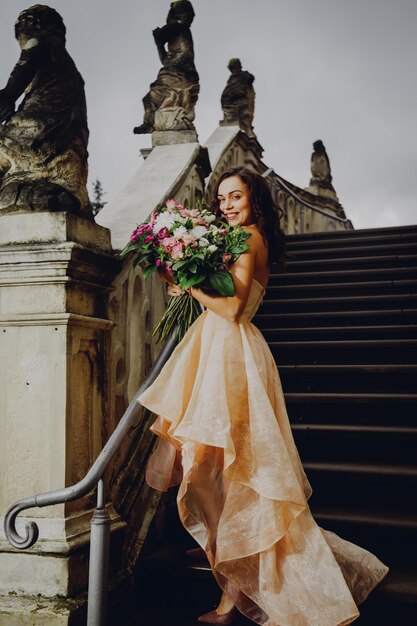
column 225, row 439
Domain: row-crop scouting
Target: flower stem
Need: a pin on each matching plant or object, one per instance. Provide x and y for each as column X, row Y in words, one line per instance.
column 181, row 312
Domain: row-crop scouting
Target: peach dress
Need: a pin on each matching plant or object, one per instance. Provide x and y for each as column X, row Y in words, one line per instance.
column 225, row 439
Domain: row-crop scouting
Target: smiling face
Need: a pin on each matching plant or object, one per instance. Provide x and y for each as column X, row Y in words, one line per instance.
column 234, row 201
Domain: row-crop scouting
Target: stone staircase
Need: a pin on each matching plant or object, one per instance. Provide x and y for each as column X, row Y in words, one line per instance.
column 341, row 322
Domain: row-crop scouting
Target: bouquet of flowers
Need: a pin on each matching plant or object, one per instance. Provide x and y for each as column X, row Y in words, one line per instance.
column 189, row 247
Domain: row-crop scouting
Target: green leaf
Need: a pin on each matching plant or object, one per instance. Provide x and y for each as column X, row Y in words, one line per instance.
column 222, row 282
column 149, row 270
column 129, row 248
column 178, row 264
column 143, row 257
column 239, row 249
column 192, row 281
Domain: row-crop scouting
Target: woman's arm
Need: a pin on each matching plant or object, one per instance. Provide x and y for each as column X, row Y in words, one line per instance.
column 242, row 270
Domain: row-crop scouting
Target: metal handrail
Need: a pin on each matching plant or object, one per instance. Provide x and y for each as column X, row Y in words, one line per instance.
column 100, row 523
column 283, row 183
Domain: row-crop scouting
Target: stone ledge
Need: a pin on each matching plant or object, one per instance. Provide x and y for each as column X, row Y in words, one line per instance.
column 39, row 611
column 56, row 319
column 45, row 227
column 173, row 137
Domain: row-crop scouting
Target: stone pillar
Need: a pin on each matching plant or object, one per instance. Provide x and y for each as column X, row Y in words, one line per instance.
column 56, row 270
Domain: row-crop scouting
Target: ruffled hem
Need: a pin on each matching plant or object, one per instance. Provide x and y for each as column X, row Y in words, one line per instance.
column 225, row 439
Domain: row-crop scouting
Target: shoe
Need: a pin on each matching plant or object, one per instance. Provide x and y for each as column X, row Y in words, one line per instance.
column 197, row 554
column 223, row 619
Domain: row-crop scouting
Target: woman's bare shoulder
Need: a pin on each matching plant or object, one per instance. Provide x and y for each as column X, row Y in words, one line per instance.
column 256, row 241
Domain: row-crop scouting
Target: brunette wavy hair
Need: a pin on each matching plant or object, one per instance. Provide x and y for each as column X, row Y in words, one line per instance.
column 266, row 215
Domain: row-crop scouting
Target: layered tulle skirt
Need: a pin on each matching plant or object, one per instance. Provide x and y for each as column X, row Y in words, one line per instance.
column 225, row 439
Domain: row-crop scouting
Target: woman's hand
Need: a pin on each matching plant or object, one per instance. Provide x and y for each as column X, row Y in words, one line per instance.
column 164, row 275
column 175, row 290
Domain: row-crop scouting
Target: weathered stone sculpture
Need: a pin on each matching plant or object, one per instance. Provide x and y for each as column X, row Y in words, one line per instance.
column 320, row 167
column 43, row 145
column 170, row 103
column 238, row 98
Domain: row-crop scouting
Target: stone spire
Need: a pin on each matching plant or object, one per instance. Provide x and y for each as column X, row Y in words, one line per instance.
column 321, row 176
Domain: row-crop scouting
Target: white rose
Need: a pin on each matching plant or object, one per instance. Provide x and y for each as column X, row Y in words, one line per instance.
column 203, row 242
column 180, row 232
column 209, row 218
column 163, row 220
column 212, row 248
column 198, row 231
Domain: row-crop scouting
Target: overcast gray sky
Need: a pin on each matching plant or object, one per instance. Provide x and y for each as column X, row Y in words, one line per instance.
column 338, row 70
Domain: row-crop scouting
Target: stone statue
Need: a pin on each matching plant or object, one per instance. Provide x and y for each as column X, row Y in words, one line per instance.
column 320, row 167
column 43, row 145
column 170, row 103
column 238, row 98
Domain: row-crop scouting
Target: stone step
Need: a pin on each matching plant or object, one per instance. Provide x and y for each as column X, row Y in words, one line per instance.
column 363, row 485
column 303, row 290
column 360, row 317
column 391, row 535
column 392, row 331
column 356, row 233
column 354, row 262
column 341, row 408
column 351, row 238
column 337, row 275
column 350, row 251
column 357, row 443
column 354, row 378
column 344, row 352
column 340, row 303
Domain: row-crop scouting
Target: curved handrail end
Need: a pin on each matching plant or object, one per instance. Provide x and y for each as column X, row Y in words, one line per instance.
column 22, row 542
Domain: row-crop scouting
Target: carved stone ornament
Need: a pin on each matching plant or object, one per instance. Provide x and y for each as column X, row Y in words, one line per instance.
column 43, row 145
column 170, row 102
column 238, row 98
column 321, row 175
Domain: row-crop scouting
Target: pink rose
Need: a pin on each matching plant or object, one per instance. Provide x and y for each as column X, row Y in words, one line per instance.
column 176, row 251
column 170, row 205
column 226, row 257
column 158, row 263
column 149, row 238
column 168, row 243
column 164, row 232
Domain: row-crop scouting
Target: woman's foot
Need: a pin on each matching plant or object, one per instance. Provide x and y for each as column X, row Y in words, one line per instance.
column 196, row 553
column 219, row 618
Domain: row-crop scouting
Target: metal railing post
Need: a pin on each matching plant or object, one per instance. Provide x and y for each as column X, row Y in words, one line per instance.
column 99, row 562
